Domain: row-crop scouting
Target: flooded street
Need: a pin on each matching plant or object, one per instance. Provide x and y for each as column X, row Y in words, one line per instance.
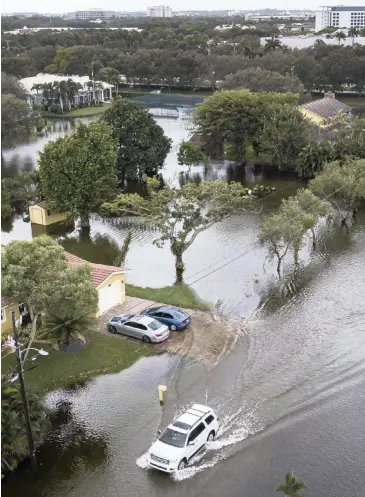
column 290, row 394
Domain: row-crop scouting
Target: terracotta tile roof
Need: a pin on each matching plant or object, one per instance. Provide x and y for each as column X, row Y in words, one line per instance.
column 99, row 272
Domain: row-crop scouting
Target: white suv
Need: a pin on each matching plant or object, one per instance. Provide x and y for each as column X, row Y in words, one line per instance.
column 183, row 438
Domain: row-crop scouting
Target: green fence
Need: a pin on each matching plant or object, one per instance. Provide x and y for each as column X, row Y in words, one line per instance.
column 159, row 100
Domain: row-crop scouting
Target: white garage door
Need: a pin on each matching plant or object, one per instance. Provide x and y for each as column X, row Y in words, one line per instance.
column 110, row 296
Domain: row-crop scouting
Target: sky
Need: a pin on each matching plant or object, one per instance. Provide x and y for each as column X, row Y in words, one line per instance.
column 141, row 5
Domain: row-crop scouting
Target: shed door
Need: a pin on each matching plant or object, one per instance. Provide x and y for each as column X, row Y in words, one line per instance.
column 109, row 296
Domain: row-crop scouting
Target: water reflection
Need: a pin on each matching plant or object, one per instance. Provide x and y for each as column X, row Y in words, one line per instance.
column 98, row 248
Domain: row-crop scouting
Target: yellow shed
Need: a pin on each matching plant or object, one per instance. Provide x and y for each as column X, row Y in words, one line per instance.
column 6, row 309
column 41, row 214
column 109, row 282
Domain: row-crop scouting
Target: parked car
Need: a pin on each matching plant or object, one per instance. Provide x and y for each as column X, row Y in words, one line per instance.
column 183, row 438
column 173, row 317
column 143, row 327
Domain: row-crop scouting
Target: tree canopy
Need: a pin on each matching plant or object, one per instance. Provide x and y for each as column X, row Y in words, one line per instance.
column 237, row 116
column 17, row 119
column 142, row 144
column 180, row 214
column 291, row 487
column 14, row 445
column 77, row 171
column 257, row 80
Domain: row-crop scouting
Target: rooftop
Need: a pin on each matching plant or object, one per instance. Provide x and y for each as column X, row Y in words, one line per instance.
column 42, row 79
column 326, row 107
column 99, row 272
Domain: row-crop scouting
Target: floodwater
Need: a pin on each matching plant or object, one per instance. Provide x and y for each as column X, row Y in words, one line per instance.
column 290, row 395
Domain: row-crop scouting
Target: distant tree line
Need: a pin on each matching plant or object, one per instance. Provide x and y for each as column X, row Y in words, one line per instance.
column 183, row 53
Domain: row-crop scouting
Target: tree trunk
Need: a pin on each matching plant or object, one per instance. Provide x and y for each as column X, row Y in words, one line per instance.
column 179, row 268
column 85, row 220
column 278, row 267
column 34, row 318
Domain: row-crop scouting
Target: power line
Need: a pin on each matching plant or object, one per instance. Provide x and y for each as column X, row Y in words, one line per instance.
column 198, row 379
column 194, row 274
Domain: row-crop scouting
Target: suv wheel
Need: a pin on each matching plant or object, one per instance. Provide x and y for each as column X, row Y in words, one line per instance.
column 210, row 437
column 146, row 339
column 182, row 464
column 112, row 329
column 172, row 327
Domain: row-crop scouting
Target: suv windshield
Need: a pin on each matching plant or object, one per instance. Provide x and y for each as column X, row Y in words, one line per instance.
column 171, row 437
column 154, row 325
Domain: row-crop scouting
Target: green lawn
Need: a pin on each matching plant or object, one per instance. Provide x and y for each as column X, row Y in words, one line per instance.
column 102, row 355
column 179, row 295
column 86, row 111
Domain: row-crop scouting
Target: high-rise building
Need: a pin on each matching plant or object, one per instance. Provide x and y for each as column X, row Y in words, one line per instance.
column 159, row 11
column 340, row 17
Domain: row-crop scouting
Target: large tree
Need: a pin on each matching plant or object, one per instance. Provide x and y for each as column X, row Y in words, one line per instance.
column 236, row 116
column 180, row 215
column 14, row 445
column 30, row 273
column 343, row 184
column 68, row 309
column 77, row 171
column 142, row 145
column 284, row 134
column 258, row 80
column 17, row 119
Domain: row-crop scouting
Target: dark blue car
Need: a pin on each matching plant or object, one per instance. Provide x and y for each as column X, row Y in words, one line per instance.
column 173, row 317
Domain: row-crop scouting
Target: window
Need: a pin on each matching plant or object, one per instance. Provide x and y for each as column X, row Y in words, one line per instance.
column 209, row 419
column 140, row 326
column 3, row 315
column 196, row 432
column 172, row 437
column 155, row 325
column 132, row 325
column 167, row 316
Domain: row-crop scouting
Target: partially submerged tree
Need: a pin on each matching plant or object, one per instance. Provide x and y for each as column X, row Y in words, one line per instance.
column 77, row 171
column 236, row 116
column 343, row 185
column 181, row 214
column 142, row 144
column 284, row 231
column 291, row 487
column 285, row 133
column 14, row 445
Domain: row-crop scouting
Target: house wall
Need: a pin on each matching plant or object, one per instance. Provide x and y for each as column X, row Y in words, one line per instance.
column 7, row 325
column 39, row 215
column 113, row 278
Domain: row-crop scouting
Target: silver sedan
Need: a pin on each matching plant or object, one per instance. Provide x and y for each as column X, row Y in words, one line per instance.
column 143, row 327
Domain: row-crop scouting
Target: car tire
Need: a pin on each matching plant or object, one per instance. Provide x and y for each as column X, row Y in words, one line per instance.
column 211, row 436
column 146, row 339
column 112, row 329
column 173, row 327
column 182, row 464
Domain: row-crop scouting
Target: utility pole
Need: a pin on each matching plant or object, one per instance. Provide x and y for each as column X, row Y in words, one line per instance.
column 93, row 80
column 28, row 427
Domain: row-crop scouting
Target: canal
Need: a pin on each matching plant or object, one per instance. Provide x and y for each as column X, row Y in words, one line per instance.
column 289, row 396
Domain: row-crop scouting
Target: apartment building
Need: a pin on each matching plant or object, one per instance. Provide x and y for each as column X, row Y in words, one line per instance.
column 340, row 17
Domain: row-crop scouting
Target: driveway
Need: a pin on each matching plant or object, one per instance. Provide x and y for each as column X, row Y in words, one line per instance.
column 207, row 339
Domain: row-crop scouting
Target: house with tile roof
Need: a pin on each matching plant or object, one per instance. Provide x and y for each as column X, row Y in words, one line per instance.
column 322, row 111
column 109, row 282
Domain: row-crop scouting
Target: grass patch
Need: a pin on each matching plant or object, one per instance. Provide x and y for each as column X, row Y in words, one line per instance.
column 86, row 111
column 358, row 102
column 101, row 355
column 178, row 295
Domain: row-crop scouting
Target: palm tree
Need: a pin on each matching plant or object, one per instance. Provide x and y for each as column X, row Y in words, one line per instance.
column 73, row 89
column 272, row 44
column 353, row 32
column 291, row 486
column 340, row 36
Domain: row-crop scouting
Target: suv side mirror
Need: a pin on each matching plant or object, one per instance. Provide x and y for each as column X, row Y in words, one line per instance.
column 191, row 443
column 159, row 432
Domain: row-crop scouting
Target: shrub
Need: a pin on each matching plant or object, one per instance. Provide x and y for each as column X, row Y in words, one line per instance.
column 54, row 108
